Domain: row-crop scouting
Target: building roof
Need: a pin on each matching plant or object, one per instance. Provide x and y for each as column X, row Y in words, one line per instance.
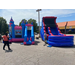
column 62, row 24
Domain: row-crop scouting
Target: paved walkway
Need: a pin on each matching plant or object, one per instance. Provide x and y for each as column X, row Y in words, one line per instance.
column 37, row 54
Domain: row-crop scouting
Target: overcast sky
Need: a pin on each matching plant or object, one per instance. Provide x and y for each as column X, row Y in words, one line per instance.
column 19, row 14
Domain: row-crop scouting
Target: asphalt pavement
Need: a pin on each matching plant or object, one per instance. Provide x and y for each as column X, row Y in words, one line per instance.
column 37, row 54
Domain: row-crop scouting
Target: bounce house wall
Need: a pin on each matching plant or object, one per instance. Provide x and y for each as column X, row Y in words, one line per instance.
column 32, row 34
column 23, row 29
column 42, row 32
column 25, row 35
column 13, row 32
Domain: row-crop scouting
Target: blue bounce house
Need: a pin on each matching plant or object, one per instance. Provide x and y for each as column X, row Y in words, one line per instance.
column 54, row 35
column 23, row 33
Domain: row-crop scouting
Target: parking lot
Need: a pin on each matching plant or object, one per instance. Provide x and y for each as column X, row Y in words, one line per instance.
column 37, row 54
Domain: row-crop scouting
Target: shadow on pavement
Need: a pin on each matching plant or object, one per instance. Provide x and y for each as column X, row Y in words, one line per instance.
column 68, row 47
column 17, row 42
column 8, row 51
column 36, row 42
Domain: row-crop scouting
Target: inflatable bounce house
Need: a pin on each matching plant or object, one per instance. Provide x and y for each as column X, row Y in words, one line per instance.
column 23, row 33
column 54, row 35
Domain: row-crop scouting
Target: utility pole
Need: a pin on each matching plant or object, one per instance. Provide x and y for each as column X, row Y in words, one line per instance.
column 65, row 27
column 38, row 10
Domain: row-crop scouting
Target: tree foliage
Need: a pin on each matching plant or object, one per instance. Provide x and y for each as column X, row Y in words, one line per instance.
column 22, row 20
column 34, row 24
column 3, row 26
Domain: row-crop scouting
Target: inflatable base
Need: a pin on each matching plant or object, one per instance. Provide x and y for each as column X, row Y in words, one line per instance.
column 60, row 40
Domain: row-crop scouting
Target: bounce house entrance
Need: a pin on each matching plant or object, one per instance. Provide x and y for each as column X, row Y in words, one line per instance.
column 18, row 36
column 29, row 33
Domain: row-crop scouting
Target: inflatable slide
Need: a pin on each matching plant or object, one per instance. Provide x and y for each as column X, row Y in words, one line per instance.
column 29, row 34
column 54, row 35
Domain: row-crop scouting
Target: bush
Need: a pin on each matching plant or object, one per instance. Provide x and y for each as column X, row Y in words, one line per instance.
column 70, row 32
column 37, row 31
column 7, row 32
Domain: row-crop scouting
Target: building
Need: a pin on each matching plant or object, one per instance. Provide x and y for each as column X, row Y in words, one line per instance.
column 70, row 28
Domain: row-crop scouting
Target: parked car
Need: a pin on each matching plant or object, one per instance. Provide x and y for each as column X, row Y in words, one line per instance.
column 35, row 33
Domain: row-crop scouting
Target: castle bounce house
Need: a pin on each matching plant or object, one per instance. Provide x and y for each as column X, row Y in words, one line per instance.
column 53, row 33
column 23, row 33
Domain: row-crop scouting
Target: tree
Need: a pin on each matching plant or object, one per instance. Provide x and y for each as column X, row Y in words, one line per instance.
column 37, row 29
column 3, row 26
column 22, row 20
column 34, row 24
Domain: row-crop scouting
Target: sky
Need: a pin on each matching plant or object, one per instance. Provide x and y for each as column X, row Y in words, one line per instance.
column 19, row 14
